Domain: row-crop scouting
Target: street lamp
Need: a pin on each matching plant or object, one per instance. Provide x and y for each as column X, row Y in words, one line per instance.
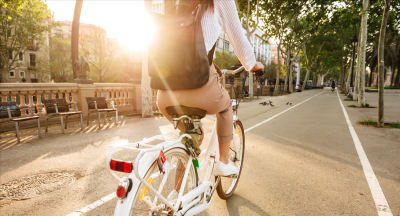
column 354, row 41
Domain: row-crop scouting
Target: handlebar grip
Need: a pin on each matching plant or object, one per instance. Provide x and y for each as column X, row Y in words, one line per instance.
column 258, row 73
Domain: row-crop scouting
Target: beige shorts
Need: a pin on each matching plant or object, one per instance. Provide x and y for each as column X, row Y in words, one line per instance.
column 212, row 97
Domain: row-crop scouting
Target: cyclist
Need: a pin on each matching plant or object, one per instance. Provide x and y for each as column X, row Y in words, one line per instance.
column 212, row 97
column 333, row 86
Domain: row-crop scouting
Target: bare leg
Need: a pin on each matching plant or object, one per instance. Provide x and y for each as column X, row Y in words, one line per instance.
column 224, row 152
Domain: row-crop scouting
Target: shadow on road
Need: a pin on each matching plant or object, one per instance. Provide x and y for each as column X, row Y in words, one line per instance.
column 236, row 202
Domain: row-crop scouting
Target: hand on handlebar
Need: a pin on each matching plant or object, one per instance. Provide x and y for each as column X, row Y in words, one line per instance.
column 258, row 69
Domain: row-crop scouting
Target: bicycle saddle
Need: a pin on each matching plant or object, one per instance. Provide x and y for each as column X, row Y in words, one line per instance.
column 183, row 110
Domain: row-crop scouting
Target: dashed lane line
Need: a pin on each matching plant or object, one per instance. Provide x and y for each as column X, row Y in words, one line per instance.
column 94, row 205
column 379, row 198
column 113, row 195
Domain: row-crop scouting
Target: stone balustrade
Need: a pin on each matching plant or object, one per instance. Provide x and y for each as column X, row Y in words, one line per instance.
column 126, row 96
column 27, row 94
column 121, row 93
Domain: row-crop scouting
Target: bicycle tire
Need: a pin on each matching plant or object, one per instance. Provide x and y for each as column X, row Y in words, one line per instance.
column 184, row 155
column 224, row 193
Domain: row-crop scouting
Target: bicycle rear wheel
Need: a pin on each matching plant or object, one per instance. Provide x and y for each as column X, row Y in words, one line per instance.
column 175, row 157
column 227, row 185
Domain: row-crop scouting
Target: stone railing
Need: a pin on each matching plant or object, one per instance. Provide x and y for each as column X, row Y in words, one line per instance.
column 121, row 93
column 126, row 96
column 27, row 94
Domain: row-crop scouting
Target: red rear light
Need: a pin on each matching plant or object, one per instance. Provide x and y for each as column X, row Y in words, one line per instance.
column 121, row 192
column 121, row 166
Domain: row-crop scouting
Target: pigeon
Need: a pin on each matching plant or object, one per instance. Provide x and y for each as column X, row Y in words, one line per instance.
column 290, row 104
column 264, row 103
column 270, row 103
column 287, row 103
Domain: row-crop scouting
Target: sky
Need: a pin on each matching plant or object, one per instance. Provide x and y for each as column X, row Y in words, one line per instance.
column 124, row 20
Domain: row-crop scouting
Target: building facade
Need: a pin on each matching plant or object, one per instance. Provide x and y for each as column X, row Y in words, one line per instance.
column 274, row 54
column 24, row 68
column 261, row 47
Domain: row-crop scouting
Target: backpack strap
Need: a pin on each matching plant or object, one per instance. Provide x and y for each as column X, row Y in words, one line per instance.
column 211, row 54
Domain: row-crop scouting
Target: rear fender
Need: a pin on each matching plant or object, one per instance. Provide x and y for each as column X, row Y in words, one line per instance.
column 124, row 205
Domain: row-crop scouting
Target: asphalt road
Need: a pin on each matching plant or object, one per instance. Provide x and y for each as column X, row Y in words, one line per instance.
column 302, row 162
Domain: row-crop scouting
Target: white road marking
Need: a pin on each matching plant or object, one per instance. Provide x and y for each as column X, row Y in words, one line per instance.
column 380, row 201
column 251, row 128
column 113, row 195
column 94, row 205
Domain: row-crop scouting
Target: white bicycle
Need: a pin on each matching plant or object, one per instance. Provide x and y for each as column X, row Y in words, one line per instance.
column 153, row 177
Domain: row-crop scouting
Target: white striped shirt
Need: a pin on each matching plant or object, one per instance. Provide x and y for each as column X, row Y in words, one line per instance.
column 225, row 16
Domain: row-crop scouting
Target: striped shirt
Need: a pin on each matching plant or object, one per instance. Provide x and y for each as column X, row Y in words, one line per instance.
column 225, row 16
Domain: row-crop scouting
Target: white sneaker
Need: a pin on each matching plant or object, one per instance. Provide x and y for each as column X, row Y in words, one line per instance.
column 173, row 196
column 222, row 169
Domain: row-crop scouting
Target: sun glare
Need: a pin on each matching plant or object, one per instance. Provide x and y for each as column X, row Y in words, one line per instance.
column 139, row 32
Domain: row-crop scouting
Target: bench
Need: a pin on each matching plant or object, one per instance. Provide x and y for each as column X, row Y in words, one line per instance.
column 99, row 105
column 60, row 107
column 11, row 110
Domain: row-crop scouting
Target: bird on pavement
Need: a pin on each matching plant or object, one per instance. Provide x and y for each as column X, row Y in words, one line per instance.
column 270, row 103
column 287, row 103
column 264, row 103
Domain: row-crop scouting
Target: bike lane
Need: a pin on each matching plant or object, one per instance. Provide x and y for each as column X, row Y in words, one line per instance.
column 302, row 163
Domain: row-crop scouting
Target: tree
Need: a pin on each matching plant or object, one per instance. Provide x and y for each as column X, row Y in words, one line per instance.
column 248, row 24
column 99, row 52
column 228, row 59
column 313, row 59
column 23, row 25
column 278, row 16
column 381, row 64
column 362, row 54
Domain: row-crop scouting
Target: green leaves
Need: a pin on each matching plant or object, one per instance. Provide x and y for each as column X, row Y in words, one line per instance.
column 23, row 25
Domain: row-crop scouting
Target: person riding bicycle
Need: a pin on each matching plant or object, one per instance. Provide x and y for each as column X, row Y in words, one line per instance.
column 212, row 97
column 333, row 85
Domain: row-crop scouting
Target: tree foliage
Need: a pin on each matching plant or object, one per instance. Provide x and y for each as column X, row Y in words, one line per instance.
column 229, row 59
column 23, row 25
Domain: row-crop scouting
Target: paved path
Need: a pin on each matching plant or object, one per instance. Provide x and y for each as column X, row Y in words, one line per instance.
column 302, row 162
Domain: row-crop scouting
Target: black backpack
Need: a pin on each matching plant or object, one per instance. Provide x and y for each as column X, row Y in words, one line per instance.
column 177, row 57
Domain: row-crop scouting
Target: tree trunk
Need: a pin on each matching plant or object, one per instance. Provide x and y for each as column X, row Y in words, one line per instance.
column 392, row 76
column 306, row 78
column 397, row 82
column 362, row 55
column 381, row 64
column 348, row 82
column 370, row 78
column 147, row 97
column 278, row 66
column 285, row 88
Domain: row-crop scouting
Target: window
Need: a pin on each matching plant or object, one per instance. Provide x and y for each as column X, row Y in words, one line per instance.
column 21, row 74
column 12, row 74
column 32, row 58
column 226, row 45
column 10, row 54
column 33, row 76
column 217, row 43
column 21, row 56
column 31, row 40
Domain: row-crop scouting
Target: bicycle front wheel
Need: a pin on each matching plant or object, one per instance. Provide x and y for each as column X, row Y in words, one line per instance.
column 178, row 158
column 227, row 185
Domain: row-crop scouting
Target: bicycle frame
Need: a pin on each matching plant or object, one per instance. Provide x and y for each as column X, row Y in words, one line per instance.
column 146, row 158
